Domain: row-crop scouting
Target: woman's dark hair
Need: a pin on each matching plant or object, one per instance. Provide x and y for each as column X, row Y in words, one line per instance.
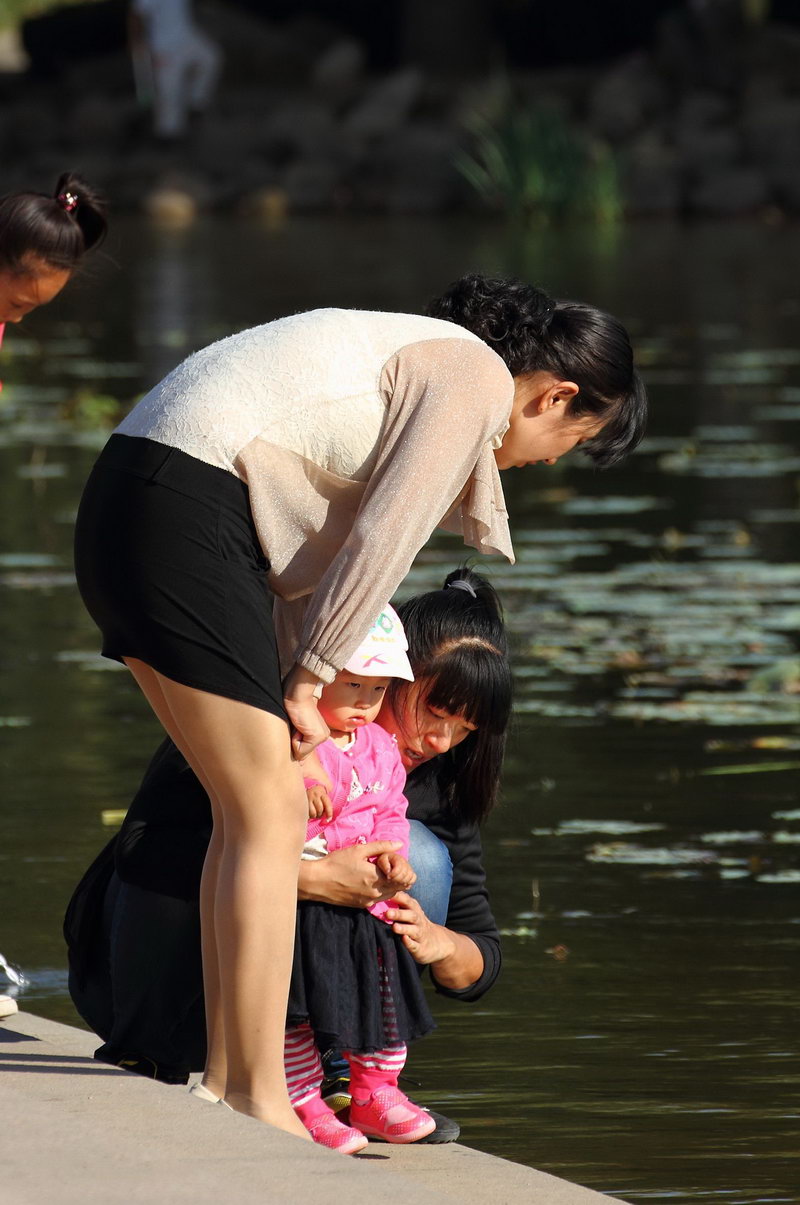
column 457, row 643
column 57, row 230
column 533, row 333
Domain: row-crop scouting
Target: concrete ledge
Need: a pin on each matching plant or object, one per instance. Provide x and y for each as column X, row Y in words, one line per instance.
column 76, row 1132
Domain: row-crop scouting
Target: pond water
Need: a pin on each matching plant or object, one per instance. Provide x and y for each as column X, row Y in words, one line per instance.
column 645, row 863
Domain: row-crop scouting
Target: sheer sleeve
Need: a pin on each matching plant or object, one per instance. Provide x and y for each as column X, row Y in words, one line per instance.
column 446, row 400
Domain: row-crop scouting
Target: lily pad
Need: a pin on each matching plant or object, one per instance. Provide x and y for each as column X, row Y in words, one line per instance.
column 611, row 827
column 734, row 837
column 623, row 853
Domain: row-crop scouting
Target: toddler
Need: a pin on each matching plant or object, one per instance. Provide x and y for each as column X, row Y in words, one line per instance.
column 354, row 985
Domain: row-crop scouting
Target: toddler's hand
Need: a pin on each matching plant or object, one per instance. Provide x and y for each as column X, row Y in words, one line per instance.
column 395, row 868
column 319, row 803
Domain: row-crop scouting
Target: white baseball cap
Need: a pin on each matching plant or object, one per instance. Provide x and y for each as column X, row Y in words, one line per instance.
column 382, row 654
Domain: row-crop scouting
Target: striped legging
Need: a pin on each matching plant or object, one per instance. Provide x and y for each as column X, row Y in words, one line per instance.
column 367, row 1071
column 304, row 1066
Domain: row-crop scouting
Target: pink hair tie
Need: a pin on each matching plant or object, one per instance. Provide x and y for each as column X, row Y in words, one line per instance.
column 68, row 201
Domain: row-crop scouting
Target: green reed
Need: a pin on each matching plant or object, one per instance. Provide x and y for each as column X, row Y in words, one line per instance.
column 530, row 162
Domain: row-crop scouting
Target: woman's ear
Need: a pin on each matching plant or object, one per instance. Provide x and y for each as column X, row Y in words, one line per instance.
column 563, row 391
column 554, row 393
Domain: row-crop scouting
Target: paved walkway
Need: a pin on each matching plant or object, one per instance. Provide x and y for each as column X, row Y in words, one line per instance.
column 76, row 1132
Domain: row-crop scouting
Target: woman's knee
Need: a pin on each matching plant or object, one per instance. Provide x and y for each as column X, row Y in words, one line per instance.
column 430, row 859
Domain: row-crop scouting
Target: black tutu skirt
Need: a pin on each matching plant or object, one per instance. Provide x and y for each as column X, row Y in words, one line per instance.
column 343, row 958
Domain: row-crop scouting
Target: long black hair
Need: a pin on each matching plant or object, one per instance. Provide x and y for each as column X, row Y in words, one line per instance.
column 457, row 645
column 532, row 332
column 54, row 230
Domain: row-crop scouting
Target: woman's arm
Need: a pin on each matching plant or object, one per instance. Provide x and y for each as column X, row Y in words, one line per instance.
column 455, row 960
column 469, row 913
column 347, row 876
column 446, row 399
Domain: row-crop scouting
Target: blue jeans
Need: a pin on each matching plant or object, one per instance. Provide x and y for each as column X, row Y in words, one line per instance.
column 431, row 860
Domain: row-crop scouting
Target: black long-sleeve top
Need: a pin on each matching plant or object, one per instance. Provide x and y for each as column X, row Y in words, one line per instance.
column 163, row 843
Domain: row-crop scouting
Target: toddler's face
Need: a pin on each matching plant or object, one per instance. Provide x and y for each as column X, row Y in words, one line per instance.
column 350, row 702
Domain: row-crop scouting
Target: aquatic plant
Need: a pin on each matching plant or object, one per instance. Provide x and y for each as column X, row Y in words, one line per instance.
column 530, row 162
column 14, row 12
column 756, row 12
column 90, row 410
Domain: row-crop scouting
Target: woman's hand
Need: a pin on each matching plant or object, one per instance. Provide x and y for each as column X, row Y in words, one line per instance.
column 455, row 960
column 300, row 694
column 347, row 876
column 426, row 942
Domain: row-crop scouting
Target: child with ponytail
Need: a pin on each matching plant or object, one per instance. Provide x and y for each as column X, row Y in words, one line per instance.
column 42, row 242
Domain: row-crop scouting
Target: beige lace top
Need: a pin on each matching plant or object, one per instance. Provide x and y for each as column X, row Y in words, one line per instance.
column 357, row 433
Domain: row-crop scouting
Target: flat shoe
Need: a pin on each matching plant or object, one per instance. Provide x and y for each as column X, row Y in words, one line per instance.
column 390, row 1115
column 8, row 1006
column 202, row 1093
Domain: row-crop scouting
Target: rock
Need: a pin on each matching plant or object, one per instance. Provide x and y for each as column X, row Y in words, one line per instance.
column 154, row 170
column 776, row 53
column 731, row 191
column 169, row 206
column 12, row 52
column 221, row 143
column 297, row 127
column 623, row 99
column 699, row 109
column 255, row 49
column 33, row 125
column 702, row 48
column 95, row 119
column 771, row 131
column 412, row 172
column 339, row 69
column 388, row 105
column 312, row 185
column 108, row 75
column 425, row 178
column 650, row 176
column 270, row 205
column 786, row 187
column 701, row 149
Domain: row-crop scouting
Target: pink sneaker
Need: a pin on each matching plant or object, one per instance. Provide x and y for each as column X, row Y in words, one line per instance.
column 326, row 1129
column 390, row 1115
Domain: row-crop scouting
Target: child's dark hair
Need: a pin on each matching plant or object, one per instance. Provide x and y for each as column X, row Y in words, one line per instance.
column 55, row 230
column 532, row 333
column 457, row 644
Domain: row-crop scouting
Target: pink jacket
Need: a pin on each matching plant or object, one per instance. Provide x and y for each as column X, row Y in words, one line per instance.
column 377, row 815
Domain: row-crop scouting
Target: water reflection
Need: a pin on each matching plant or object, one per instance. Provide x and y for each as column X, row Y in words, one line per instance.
column 644, row 864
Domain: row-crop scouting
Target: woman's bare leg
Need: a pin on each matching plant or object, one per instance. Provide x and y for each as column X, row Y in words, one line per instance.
column 215, row 1075
column 243, row 755
column 216, row 1070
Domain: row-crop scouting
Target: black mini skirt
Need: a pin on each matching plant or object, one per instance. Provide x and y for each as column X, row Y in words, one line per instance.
column 170, row 568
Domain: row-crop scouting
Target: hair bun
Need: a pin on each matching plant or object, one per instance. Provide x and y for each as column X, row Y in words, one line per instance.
column 510, row 315
column 84, row 204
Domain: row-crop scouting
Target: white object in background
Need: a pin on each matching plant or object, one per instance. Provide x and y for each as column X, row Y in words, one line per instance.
column 185, row 64
column 13, row 973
